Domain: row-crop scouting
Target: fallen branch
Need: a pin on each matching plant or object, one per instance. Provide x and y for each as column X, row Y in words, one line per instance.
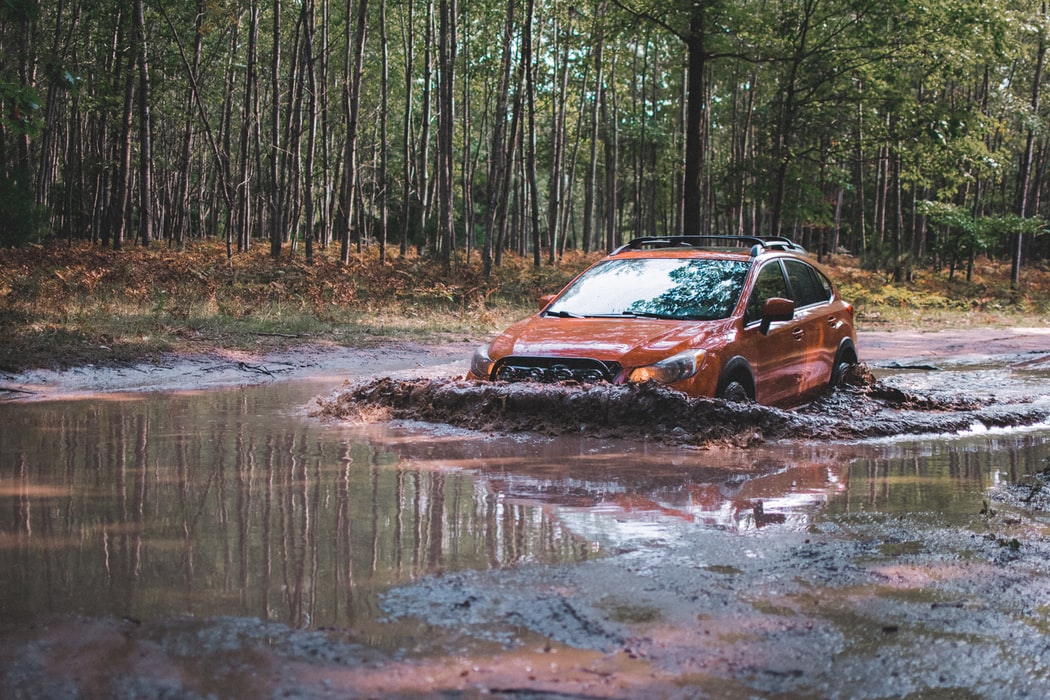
column 13, row 390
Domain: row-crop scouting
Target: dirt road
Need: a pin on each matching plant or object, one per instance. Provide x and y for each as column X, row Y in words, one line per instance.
column 214, row 368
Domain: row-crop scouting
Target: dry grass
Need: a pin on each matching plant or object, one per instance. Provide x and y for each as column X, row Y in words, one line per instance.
column 73, row 304
column 76, row 304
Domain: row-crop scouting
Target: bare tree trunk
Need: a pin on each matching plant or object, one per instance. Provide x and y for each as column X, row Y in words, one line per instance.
column 558, row 145
column 530, row 129
column 696, row 122
column 352, row 105
column 406, row 131
column 328, row 139
column 121, row 214
column 293, row 137
column 589, row 199
column 446, row 127
column 383, row 147
column 245, row 197
column 611, row 148
column 498, row 157
column 310, row 82
column 859, row 239
column 1024, row 174
column 566, row 225
column 181, row 229
column 145, row 130
column 423, row 149
column 276, row 151
column 468, row 165
column 513, row 149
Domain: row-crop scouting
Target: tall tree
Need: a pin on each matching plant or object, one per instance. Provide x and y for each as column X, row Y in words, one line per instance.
column 498, row 156
column 276, row 193
column 1024, row 170
column 145, row 128
column 352, row 108
column 446, row 128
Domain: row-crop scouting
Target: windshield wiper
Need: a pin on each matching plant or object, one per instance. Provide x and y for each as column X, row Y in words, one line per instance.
column 562, row 314
column 651, row 314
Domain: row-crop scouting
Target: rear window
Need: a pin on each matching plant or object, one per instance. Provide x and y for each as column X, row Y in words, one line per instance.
column 807, row 285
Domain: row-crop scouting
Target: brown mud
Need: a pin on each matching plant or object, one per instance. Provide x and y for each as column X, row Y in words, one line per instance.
column 856, row 605
column 864, row 408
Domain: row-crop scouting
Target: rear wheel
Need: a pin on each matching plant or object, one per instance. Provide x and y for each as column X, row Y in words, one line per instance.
column 843, row 362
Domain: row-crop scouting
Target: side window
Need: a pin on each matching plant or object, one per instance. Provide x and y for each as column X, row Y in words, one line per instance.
column 806, row 283
column 768, row 285
column 825, row 285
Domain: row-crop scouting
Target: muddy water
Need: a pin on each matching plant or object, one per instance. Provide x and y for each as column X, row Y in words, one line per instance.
column 236, row 502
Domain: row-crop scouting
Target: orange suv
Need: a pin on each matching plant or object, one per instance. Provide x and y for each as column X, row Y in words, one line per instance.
column 741, row 318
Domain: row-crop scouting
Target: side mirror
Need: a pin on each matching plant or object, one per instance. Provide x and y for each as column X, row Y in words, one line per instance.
column 546, row 300
column 776, row 309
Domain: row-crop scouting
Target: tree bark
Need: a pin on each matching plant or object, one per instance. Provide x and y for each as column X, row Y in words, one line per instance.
column 446, row 127
column 352, row 106
column 145, row 129
column 530, row 129
column 497, row 187
column 1024, row 172
column 695, row 126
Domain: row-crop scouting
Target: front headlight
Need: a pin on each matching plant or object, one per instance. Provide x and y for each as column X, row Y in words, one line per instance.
column 672, row 369
column 481, row 363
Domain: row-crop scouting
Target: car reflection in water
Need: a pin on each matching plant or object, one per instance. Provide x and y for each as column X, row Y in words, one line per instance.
column 221, row 503
column 585, row 479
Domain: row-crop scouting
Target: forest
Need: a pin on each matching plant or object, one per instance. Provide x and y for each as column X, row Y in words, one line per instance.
column 908, row 134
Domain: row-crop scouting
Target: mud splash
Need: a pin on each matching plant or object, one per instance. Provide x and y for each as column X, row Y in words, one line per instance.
column 864, row 408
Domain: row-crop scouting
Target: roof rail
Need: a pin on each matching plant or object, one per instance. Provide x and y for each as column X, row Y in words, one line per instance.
column 757, row 243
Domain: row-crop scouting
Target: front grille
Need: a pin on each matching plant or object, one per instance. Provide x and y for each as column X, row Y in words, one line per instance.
column 555, row 369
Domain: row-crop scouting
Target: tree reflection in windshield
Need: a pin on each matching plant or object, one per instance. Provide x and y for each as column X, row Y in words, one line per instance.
column 663, row 287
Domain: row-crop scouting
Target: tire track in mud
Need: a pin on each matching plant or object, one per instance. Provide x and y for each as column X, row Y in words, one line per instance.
column 864, row 408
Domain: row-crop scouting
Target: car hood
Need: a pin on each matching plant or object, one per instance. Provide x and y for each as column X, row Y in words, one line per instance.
column 631, row 341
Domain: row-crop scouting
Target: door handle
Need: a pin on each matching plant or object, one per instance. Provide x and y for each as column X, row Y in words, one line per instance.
column 798, row 333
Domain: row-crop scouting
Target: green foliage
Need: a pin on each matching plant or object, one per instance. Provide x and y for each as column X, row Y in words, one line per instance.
column 21, row 105
column 835, row 115
column 21, row 11
column 966, row 234
column 21, row 219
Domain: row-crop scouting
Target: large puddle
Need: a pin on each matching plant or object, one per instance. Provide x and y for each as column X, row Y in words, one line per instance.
column 236, row 502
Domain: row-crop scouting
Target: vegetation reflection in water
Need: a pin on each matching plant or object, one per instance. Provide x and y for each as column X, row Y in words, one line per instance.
column 223, row 503
column 947, row 475
column 217, row 505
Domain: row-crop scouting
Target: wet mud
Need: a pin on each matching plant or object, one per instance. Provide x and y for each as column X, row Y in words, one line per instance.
column 864, row 408
column 816, row 563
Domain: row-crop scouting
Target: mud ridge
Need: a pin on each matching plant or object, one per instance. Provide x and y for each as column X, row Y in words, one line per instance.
column 865, row 408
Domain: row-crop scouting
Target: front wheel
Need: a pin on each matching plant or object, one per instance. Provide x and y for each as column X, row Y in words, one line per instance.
column 736, row 392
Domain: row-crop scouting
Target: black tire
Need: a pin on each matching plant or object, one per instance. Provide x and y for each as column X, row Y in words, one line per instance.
column 736, row 392
column 839, row 372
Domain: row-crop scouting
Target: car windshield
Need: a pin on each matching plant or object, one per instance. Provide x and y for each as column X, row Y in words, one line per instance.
column 672, row 288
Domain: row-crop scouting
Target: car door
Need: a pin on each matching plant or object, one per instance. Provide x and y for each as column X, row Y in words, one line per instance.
column 812, row 299
column 777, row 356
